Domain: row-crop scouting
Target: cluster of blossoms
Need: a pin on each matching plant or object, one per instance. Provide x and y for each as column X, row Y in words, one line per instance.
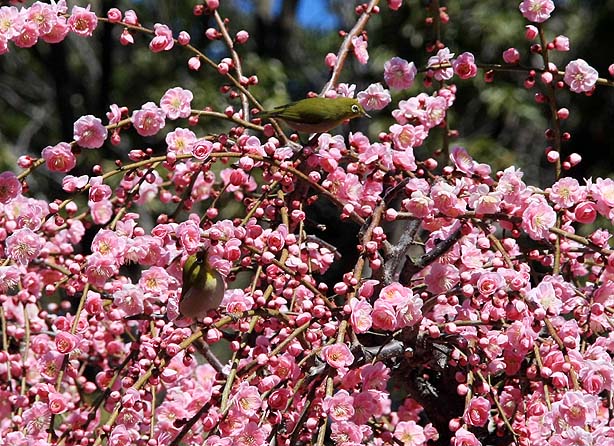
column 24, row 27
column 479, row 294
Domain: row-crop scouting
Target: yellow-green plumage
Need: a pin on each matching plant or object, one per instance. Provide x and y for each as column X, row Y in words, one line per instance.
column 316, row 115
column 203, row 287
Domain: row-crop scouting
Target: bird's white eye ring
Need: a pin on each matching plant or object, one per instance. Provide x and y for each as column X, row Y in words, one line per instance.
column 355, row 108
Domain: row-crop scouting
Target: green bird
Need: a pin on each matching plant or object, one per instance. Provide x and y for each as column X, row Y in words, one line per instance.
column 316, row 115
column 203, row 286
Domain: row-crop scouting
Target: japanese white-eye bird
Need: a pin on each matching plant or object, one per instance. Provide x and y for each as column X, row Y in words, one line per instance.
column 317, row 115
column 203, row 287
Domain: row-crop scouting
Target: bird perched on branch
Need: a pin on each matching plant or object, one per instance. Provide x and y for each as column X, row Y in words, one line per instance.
column 316, row 115
column 203, row 286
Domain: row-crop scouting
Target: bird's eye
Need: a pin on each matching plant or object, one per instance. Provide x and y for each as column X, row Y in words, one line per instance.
column 355, row 108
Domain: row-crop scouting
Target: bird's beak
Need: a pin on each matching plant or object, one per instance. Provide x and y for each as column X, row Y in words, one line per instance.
column 367, row 115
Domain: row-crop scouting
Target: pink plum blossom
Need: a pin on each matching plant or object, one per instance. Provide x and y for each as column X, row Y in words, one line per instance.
column 251, row 435
column 43, row 16
column 407, row 136
column 11, row 22
column 337, row 355
column 537, row 11
column 566, row 192
column 410, row 433
column 10, row 187
column 101, row 211
column 36, row 417
column 66, row 342
column 463, row 437
column 340, row 406
column 180, row 141
column 176, row 103
column 409, row 314
column 345, row 433
column 537, row 219
column 375, row 97
column 580, row 76
column 24, row 245
column 163, row 39
column 489, row 283
column 361, row 315
column 384, row 316
column 399, row 73
column 360, row 49
column 89, row 132
column 561, row 43
column 59, row 158
column 441, row 64
column 585, row 212
column 82, row 21
column 247, row 399
column 464, row 66
column 129, row 299
column 477, row 411
column 575, row 409
column 149, row 120
column 441, row 278
column 396, row 294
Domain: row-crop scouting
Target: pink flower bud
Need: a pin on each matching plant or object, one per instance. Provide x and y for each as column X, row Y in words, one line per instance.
column 546, row 77
column 131, row 18
column 212, row 34
column 126, row 38
column 24, row 161
column 331, row 59
column 194, row 63
column 212, row 4
column 242, row 36
column 434, row 331
column 223, row 69
column 562, row 113
column 561, row 43
column 585, row 212
column 114, row 15
column 391, row 214
column 430, row 163
column 450, row 328
column 511, row 56
column 570, row 342
column 183, row 38
column 340, row 288
column 553, row 156
column 454, row 424
column 575, row 159
column 530, row 32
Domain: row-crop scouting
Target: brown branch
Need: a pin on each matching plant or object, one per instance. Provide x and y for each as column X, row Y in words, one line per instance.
column 344, row 50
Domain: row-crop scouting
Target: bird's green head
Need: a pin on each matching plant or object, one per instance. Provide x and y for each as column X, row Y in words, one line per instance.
column 350, row 108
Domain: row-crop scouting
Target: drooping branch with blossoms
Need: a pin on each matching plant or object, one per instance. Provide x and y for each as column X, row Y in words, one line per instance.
column 474, row 314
